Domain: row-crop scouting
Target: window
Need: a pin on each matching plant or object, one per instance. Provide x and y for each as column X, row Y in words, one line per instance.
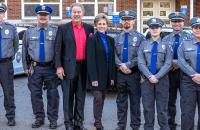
column 28, row 8
column 5, row 2
column 93, row 7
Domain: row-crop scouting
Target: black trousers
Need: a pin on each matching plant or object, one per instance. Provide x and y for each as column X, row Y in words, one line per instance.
column 174, row 82
column 190, row 100
column 128, row 86
column 98, row 103
column 74, row 91
column 44, row 77
column 6, row 80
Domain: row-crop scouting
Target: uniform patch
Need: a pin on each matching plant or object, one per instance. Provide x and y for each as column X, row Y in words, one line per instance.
column 7, row 32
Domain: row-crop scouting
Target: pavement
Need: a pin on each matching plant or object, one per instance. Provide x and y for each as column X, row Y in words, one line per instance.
column 25, row 117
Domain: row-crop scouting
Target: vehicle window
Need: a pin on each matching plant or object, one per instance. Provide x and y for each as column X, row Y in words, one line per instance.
column 21, row 34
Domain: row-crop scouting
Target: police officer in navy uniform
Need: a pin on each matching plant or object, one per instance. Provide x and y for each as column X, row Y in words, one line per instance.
column 38, row 55
column 174, row 39
column 128, row 75
column 189, row 63
column 154, row 61
column 9, row 42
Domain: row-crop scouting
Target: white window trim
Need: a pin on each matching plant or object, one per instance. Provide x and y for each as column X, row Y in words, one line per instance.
column 96, row 8
column 52, row 17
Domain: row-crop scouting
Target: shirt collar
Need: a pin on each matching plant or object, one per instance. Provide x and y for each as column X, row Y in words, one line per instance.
column 179, row 33
column 158, row 40
column 45, row 28
column 130, row 32
column 74, row 24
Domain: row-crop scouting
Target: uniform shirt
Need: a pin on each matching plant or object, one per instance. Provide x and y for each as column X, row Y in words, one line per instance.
column 134, row 41
column 31, row 44
column 9, row 41
column 187, row 56
column 80, row 38
column 164, row 58
column 170, row 39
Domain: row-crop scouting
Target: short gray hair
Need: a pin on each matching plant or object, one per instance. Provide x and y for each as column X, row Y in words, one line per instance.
column 78, row 5
column 99, row 17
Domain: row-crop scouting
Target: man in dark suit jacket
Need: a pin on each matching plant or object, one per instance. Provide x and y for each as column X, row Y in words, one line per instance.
column 70, row 62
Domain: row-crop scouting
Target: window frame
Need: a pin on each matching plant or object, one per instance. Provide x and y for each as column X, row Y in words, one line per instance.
column 96, row 8
column 41, row 3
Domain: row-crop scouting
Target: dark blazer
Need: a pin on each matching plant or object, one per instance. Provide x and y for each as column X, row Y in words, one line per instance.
column 65, row 47
column 97, row 67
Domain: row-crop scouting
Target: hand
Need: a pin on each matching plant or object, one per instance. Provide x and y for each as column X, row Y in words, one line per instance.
column 153, row 79
column 27, row 72
column 124, row 69
column 112, row 82
column 60, row 72
column 95, row 83
column 175, row 65
column 196, row 78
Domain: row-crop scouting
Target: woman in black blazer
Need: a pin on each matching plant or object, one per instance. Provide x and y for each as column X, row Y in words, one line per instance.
column 100, row 65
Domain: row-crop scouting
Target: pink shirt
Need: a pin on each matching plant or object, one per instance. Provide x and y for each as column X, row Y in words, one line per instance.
column 80, row 38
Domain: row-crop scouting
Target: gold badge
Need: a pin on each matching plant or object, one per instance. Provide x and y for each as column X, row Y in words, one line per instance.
column 6, row 31
column 43, row 7
column 50, row 33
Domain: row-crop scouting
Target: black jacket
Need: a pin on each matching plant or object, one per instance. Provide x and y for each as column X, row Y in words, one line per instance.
column 65, row 48
column 97, row 66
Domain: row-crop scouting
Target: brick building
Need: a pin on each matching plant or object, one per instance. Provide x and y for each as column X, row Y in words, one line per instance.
column 22, row 11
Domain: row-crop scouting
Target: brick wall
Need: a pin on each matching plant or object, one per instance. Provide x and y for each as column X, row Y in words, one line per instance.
column 14, row 9
column 126, row 4
column 197, row 8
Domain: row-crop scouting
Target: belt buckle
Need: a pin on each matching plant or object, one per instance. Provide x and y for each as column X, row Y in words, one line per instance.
column 34, row 63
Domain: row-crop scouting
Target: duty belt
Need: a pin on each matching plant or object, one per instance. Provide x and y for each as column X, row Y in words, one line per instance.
column 42, row 64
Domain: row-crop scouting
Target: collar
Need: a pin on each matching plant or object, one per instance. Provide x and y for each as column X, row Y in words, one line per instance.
column 158, row 40
column 179, row 33
column 74, row 24
column 38, row 27
column 129, row 33
column 102, row 34
column 2, row 25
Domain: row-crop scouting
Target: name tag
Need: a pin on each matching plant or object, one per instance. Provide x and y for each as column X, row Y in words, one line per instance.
column 34, row 38
column 189, row 49
column 146, row 51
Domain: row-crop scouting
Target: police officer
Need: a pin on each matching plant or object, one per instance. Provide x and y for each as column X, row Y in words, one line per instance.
column 154, row 61
column 9, row 42
column 189, row 62
column 174, row 39
column 128, row 75
column 38, row 54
